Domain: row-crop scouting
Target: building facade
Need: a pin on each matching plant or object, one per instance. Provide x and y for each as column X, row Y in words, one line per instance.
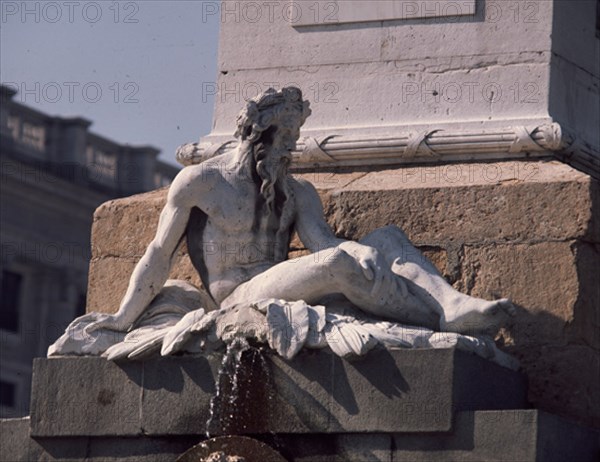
column 54, row 173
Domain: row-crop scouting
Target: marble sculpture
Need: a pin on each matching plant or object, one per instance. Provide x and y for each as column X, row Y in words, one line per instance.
column 238, row 211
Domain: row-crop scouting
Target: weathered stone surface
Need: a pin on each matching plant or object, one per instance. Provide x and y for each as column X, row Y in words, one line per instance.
column 349, row 447
column 107, row 283
column 508, row 435
column 540, row 278
column 315, row 392
column 468, row 203
column 556, row 331
column 563, row 379
column 524, row 435
column 109, row 277
column 16, row 445
column 83, row 397
column 177, row 395
column 124, row 227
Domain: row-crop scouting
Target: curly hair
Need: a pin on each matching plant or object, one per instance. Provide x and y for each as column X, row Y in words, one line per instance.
column 265, row 109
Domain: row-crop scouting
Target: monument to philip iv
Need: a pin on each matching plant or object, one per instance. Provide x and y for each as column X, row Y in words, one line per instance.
column 343, row 295
column 325, row 280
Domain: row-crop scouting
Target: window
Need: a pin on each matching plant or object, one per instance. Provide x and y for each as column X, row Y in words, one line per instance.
column 598, row 18
column 10, row 295
column 7, row 394
column 81, row 303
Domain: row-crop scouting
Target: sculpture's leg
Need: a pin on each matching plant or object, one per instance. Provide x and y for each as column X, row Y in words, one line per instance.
column 458, row 312
column 332, row 271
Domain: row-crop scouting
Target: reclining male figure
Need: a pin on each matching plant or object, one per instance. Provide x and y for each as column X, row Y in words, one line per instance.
column 240, row 209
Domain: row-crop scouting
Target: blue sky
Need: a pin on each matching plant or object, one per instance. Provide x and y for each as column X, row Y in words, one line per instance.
column 134, row 68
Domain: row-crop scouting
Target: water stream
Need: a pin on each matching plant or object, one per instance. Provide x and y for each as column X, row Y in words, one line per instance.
column 230, row 364
column 243, row 390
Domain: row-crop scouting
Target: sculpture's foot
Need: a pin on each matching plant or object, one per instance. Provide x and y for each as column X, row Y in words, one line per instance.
column 477, row 316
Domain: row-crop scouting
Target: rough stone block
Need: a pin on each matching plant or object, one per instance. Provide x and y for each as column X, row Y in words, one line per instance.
column 85, row 397
column 109, row 277
column 509, row 435
column 177, row 395
column 16, row 445
column 520, row 271
column 348, row 447
column 469, row 203
column 523, row 435
column 124, row 227
column 389, row 391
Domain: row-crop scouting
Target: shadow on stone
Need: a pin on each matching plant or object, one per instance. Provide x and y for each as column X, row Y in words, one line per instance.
column 392, row 383
column 561, row 367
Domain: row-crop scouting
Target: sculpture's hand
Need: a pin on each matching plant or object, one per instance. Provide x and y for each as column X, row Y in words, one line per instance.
column 104, row 321
column 375, row 268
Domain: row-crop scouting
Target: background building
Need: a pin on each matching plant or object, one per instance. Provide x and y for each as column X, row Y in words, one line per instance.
column 54, row 173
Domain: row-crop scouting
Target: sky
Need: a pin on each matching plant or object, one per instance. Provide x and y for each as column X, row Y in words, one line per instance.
column 134, row 68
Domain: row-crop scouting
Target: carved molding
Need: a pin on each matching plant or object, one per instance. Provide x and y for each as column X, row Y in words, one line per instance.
column 435, row 144
column 431, row 145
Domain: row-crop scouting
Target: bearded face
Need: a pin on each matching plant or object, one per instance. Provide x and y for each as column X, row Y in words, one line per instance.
column 271, row 122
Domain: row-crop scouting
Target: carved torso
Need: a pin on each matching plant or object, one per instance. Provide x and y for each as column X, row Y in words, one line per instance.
column 231, row 237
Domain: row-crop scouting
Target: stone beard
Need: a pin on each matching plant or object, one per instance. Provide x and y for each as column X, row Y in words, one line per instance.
column 271, row 173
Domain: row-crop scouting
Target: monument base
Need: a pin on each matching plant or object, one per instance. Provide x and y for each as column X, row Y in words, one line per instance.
column 392, row 405
column 528, row 230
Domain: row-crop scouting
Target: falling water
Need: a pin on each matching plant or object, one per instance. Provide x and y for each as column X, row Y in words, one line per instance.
column 246, row 395
column 231, row 360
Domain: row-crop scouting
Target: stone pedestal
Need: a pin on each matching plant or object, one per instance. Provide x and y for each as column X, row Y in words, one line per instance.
column 418, row 81
column 390, row 405
column 527, row 230
column 408, row 391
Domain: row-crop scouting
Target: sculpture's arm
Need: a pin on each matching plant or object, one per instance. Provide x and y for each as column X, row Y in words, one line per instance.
column 313, row 230
column 316, row 235
column 152, row 271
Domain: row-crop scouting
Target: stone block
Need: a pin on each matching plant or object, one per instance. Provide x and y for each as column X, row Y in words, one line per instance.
column 468, row 203
column 507, row 435
column 510, row 435
column 541, row 278
column 16, row 445
column 109, row 277
column 316, row 392
column 177, row 395
column 555, row 333
column 107, row 282
column 347, row 447
column 564, row 379
column 85, row 397
column 124, row 227
column 388, row 391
